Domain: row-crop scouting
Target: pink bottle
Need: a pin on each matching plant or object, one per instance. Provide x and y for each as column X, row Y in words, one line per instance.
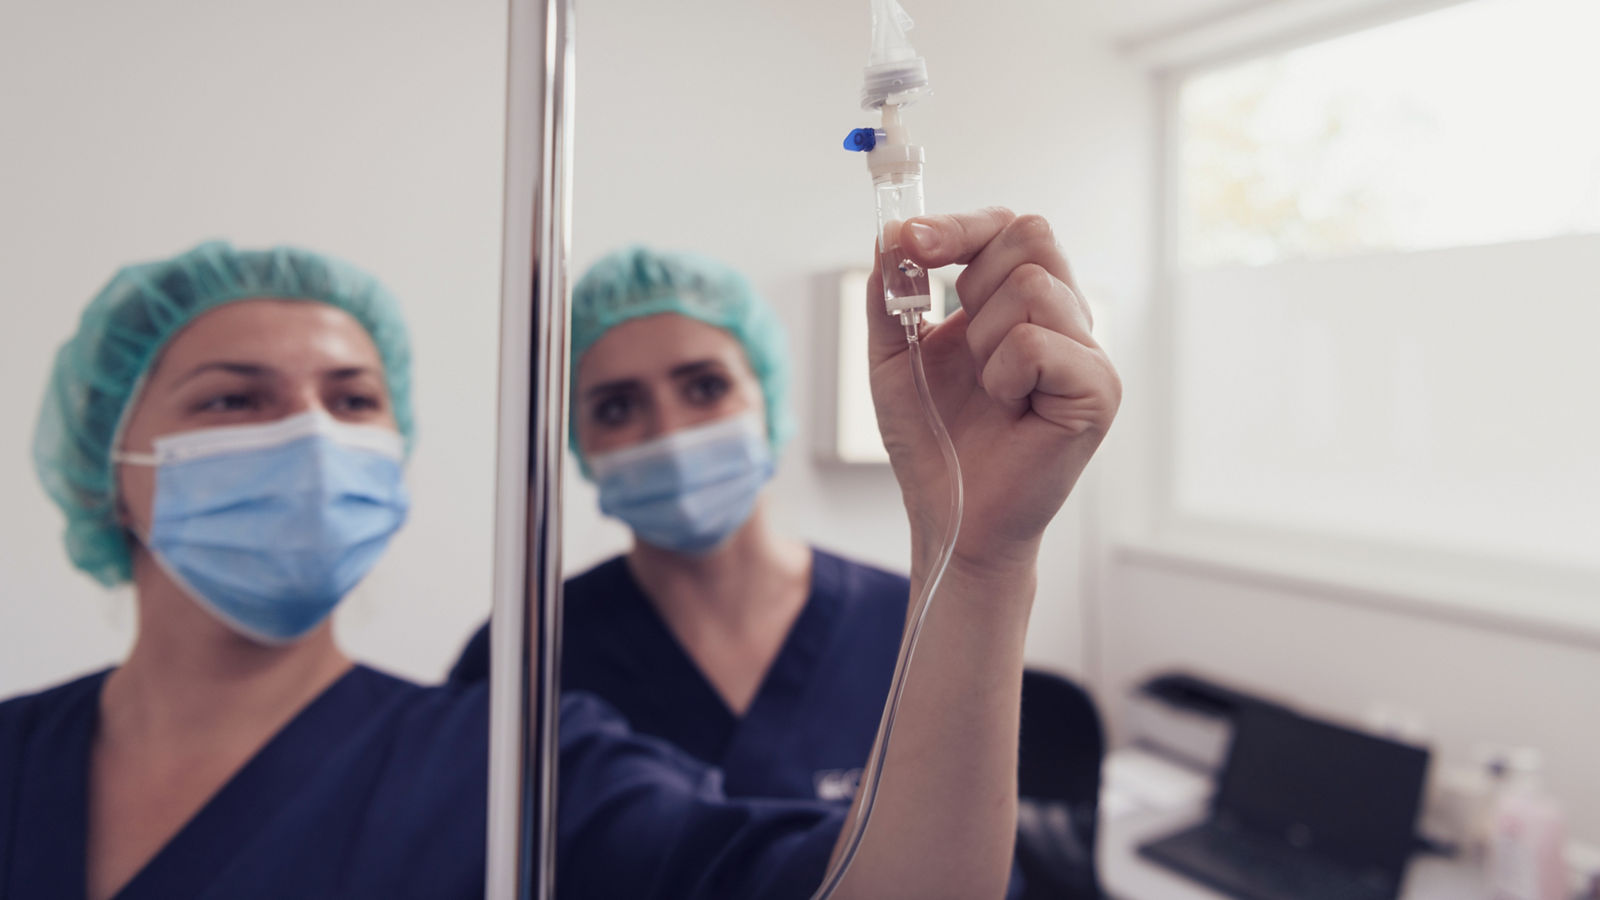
column 1527, row 839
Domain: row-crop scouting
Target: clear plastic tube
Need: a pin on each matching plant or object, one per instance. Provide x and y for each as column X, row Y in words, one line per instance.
column 918, row 614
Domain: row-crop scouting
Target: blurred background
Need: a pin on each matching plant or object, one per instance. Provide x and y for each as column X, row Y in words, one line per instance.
column 1346, row 254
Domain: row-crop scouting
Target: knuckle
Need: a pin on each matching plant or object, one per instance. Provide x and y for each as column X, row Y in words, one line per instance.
column 1029, row 341
column 1032, row 232
column 1114, row 386
column 1109, row 391
column 1083, row 304
column 973, row 228
column 982, row 331
column 1034, row 281
column 966, row 285
column 1001, row 214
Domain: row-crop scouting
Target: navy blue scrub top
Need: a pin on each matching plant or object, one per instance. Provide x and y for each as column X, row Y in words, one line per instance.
column 811, row 725
column 377, row 789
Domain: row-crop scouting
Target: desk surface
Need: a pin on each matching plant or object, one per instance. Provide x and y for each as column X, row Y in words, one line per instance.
column 1128, row 876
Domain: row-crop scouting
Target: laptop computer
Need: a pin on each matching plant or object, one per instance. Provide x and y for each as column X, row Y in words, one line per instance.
column 1304, row 810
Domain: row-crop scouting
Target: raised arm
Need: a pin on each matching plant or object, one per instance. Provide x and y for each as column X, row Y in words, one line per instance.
column 1027, row 396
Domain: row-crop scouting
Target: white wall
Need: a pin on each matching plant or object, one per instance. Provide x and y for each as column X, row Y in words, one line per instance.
column 1292, row 411
column 716, row 126
column 371, row 130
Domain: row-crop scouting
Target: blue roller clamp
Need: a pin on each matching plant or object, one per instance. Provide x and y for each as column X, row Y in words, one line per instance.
column 862, row 139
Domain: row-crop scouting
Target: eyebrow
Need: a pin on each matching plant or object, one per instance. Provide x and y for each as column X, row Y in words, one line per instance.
column 344, row 373
column 612, row 387
column 248, row 370
column 259, row 370
column 697, row 367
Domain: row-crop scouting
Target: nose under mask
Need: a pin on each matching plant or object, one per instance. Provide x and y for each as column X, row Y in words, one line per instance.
column 269, row 526
column 687, row 491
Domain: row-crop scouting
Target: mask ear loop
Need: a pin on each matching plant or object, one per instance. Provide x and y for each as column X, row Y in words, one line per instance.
column 118, row 507
column 135, row 459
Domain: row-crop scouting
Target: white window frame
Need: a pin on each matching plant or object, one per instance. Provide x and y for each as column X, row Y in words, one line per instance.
column 1552, row 602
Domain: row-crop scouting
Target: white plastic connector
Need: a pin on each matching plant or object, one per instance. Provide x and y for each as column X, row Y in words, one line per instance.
column 913, row 303
column 894, row 154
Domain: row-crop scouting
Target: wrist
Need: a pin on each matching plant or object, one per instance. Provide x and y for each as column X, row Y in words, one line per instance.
column 988, row 605
column 1004, row 563
column 994, row 579
column 1000, row 584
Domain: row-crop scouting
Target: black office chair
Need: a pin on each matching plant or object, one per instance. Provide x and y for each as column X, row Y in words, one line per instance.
column 1061, row 747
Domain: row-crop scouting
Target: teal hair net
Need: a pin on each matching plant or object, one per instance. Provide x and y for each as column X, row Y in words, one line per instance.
column 636, row 282
column 99, row 370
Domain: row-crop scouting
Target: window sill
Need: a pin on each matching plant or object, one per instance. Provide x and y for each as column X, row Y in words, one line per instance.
column 1541, row 602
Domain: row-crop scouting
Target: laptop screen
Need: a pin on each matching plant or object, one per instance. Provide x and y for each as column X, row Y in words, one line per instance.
column 1339, row 793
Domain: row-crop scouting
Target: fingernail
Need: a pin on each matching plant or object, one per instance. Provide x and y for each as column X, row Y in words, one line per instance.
column 924, row 237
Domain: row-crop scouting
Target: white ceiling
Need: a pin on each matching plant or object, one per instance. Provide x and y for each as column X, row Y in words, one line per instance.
column 1133, row 19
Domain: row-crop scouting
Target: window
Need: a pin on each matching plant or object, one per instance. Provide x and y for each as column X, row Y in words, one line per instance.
column 1385, row 285
column 1475, row 125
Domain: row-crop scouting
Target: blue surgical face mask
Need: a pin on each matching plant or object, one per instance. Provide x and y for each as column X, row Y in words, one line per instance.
column 269, row 526
column 689, row 490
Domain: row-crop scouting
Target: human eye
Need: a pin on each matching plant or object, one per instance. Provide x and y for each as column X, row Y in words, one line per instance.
column 356, row 403
column 705, row 389
column 613, row 410
column 229, row 402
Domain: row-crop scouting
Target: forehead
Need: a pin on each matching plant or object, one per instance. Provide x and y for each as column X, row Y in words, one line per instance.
column 651, row 346
column 285, row 334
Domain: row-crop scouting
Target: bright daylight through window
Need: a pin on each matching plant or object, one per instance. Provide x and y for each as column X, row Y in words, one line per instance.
column 1386, row 285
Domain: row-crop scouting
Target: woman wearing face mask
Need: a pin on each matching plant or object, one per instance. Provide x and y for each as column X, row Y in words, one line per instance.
column 752, row 651
column 227, row 429
column 758, row 654
column 227, row 432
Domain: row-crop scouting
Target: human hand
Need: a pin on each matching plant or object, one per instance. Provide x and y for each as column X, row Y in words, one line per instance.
column 1024, row 389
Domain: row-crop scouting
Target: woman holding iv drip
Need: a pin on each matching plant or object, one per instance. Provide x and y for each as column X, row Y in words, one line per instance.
column 754, row 653
column 714, row 632
column 355, row 770
column 711, row 635
column 238, row 753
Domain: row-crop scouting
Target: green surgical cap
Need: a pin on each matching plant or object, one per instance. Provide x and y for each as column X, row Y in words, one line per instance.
column 98, row 372
column 636, row 282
